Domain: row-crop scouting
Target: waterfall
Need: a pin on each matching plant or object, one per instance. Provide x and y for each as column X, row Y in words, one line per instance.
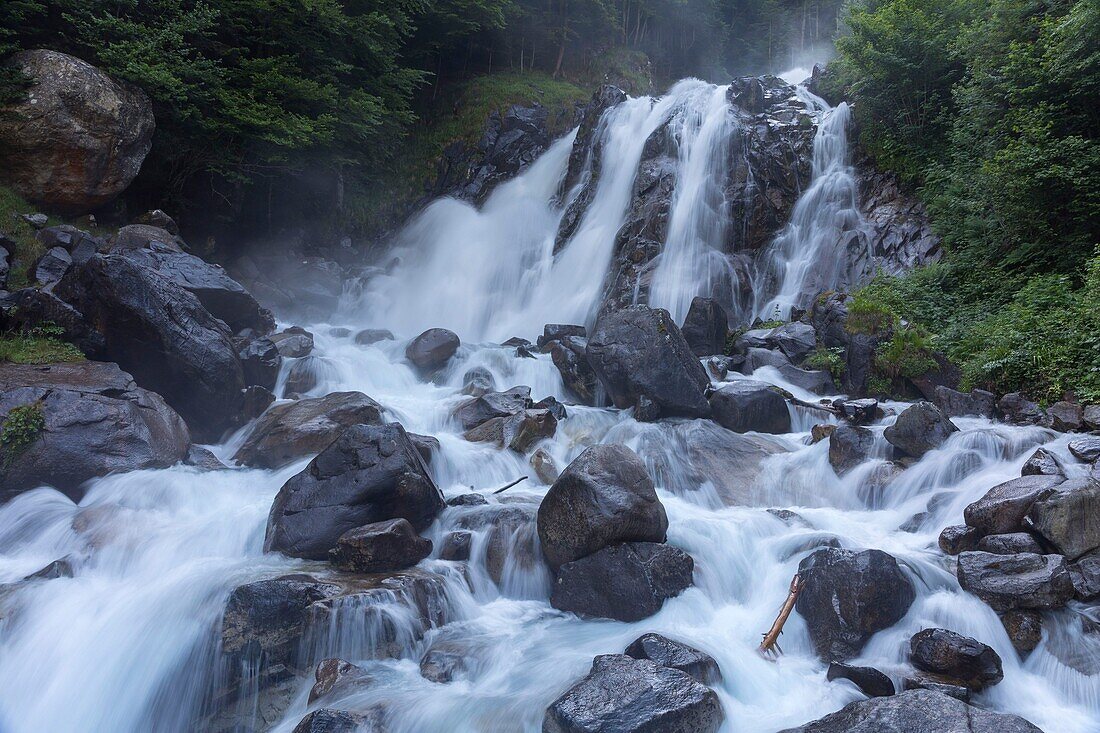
column 130, row 643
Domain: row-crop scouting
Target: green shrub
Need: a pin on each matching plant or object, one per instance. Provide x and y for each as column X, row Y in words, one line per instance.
column 908, row 353
column 21, row 428
column 827, row 359
column 39, row 345
column 868, row 315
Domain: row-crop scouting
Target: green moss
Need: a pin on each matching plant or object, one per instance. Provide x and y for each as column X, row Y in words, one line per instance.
column 40, row 346
column 27, row 248
column 21, row 428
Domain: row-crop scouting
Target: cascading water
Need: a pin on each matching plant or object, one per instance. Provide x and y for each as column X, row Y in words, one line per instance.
column 129, row 643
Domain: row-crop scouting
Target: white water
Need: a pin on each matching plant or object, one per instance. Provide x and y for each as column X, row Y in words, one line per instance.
column 128, row 645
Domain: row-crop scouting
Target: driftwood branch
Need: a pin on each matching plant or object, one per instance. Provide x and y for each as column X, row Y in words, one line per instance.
column 502, row 489
column 823, row 406
column 769, row 647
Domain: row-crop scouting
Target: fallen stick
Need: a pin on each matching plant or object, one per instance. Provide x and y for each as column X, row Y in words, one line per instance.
column 769, row 647
column 813, row 405
column 502, row 489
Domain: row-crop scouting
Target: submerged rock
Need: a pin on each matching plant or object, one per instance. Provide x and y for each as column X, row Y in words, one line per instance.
column 336, row 677
column 625, row 694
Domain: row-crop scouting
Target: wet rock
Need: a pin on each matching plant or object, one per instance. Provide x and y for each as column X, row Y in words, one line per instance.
column 958, row 538
column 543, row 464
column 432, row 349
column 821, row 432
column 77, row 243
column 478, row 381
column 255, row 401
column 203, row 459
column 569, row 357
column 380, row 547
column 796, row 340
column 918, row 429
column 519, row 432
column 849, row 446
column 625, row 694
column 915, row 711
column 52, row 266
column 336, row 677
column 847, row 596
column 260, row 361
column 1003, row 508
column 456, row 546
column 1085, row 574
column 1043, row 463
column 426, row 445
column 1069, row 518
column 1024, row 580
column 1009, row 544
column 639, row 352
column 471, row 499
column 94, row 421
column 1064, row 417
column 443, row 663
column 603, row 497
column 62, row 568
column 157, row 218
column 31, row 308
column 369, row 474
column 956, row 658
column 1085, row 449
column 161, row 334
column 748, row 405
column 665, row 652
column 1015, row 408
column 859, row 412
column 491, row 405
column 511, row 540
column 924, row 682
column 626, row 582
column 78, row 138
column 705, row 327
column 1024, row 629
column 868, row 679
column 811, row 380
column 293, row 430
column 144, row 236
column 369, row 336
column 293, row 343
column 558, row 331
column 342, row 721
column 302, row 376
column 959, row 404
column 756, row 358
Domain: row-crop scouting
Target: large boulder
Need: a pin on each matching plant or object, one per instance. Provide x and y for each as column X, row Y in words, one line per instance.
column 750, row 406
column 958, row 404
column 849, row 446
column 915, row 711
column 956, row 658
column 1024, row 580
column 919, row 428
column 626, row 582
column 643, row 361
column 796, row 340
column 705, row 327
column 92, row 420
column 847, row 596
column 161, row 334
column 627, row 695
column 369, row 474
column 1086, row 449
column 78, row 137
column 603, row 497
column 380, row 547
column 1043, row 463
column 432, row 349
column 1069, row 518
column 490, row 405
column 293, row 430
column 677, row 655
column 568, row 355
column 1004, row 507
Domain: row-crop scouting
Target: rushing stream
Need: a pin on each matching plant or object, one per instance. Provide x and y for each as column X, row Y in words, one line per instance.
column 129, row 644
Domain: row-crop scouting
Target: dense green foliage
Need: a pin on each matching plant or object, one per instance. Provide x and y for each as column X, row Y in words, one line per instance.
column 988, row 110
column 21, row 428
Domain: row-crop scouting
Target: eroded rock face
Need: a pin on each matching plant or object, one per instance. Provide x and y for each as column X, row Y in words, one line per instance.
column 293, row 430
column 1069, row 518
column 915, row 711
column 668, row 653
column 96, row 421
column 603, row 497
column 380, row 547
column 1024, row 580
column 705, row 327
column 957, row 658
column 625, row 694
column 847, row 596
column 1004, row 507
column 79, row 137
column 369, row 474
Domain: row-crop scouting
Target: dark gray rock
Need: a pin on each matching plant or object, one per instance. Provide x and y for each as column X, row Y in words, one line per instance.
column 1043, row 463
column 62, row 568
column 570, row 358
column 326, row 720
column 478, row 381
column 1086, row 577
column 757, row 357
column 1069, row 518
column 919, row 428
column 293, row 343
column 1085, row 449
column 369, row 336
column 868, row 679
column 1003, row 508
column 927, row 682
column 705, row 327
column 796, row 340
column 849, row 446
column 157, row 218
column 1024, row 580
column 959, row 404
column 294, row 430
column 491, row 405
column 203, row 459
column 811, row 380
column 603, row 497
column 369, row 474
column 456, row 546
column 52, row 266
column 958, row 538
column 432, row 349
column 668, row 653
column 748, row 405
column 626, row 582
column 557, row 331
column 302, row 377
column 1091, row 417
column 625, row 695
column 638, row 353
column 915, row 711
column 1064, row 417
column 260, row 361
column 444, row 662
column 859, row 412
column 380, row 547
column 95, row 421
column 144, row 236
column 1015, row 408
column 847, row 596
column 956, row 658
column 1009, row 544
column 79, row 244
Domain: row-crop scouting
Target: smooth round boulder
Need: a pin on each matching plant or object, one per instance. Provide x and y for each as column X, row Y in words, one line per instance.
column 78, row 137
column 380, row 547
column 956, row 658
column 369, row 474
column 919, row 428
column 869, row 680
column 750, row 406
column 849, row 446
column 432, row 349
column 848, row 596
column 603, row 497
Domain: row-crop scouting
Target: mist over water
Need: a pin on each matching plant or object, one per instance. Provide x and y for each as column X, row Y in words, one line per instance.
column 129, row 644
